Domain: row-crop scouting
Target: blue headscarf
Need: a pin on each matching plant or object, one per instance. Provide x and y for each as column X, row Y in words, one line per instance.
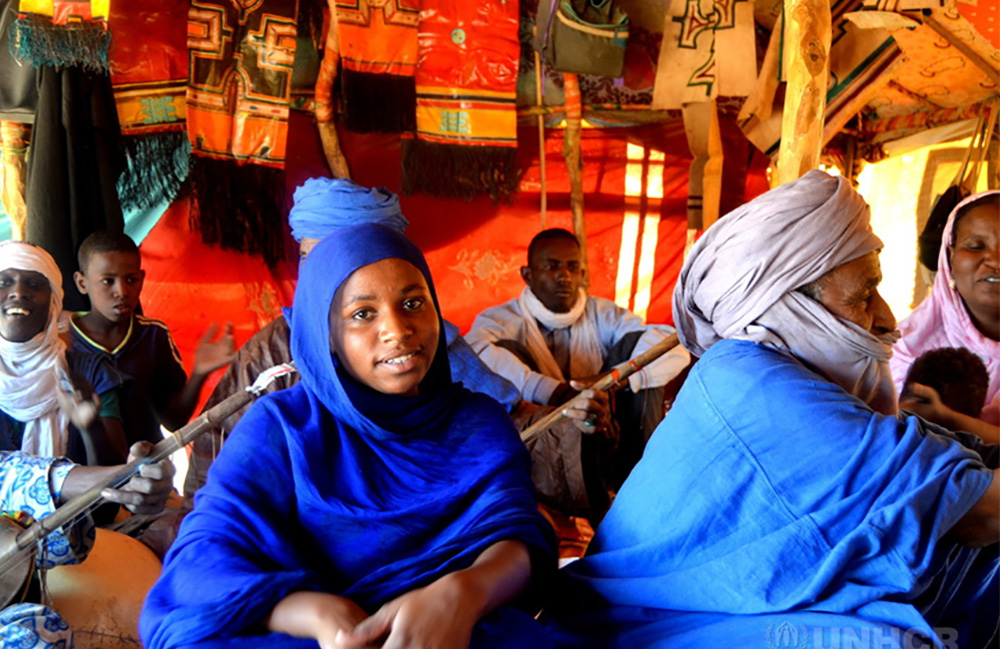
column 330, row 486
column 323, row 205
column 326, row 268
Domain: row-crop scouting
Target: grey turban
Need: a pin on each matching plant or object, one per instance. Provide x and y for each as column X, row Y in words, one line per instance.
column 739, row 281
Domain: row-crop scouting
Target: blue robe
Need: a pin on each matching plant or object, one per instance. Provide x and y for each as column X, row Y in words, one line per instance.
column 773, row 509
column 329, row 486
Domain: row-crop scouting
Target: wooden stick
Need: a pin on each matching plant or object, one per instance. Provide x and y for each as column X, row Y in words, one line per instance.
column 179, row 439
column 574, row 157
column 807, row 67
column 335, row 157
column 606, row 382
column 541, row 135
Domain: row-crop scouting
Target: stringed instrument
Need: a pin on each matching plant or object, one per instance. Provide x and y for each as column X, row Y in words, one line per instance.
column 18, row 545
column 616, row 376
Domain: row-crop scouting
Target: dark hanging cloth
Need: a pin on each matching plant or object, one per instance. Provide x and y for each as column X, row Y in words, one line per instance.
column 74, row 164
column 18, row 94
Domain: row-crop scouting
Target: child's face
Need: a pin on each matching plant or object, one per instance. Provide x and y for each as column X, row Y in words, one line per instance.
column 113, row 280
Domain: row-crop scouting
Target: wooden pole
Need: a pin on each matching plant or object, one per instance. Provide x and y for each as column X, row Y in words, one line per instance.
column 14, row 138
column 574, row 156
column 807, row 67
column 541, row 136
column 335, row 157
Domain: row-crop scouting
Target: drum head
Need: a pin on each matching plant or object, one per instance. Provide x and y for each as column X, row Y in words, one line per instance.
column 102, row 597
column 16, row 569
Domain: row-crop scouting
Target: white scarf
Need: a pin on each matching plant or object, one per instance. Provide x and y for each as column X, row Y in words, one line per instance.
column 27, row 370
column 586, row 356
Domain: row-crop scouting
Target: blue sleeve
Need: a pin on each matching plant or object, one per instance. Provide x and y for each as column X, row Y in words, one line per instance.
column 767, row 488
column 233, row 561
column 467, row 368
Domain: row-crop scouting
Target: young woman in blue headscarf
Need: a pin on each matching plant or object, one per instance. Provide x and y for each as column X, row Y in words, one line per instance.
column 374, row 503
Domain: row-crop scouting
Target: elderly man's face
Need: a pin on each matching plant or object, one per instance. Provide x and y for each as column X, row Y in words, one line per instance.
column 850, row 292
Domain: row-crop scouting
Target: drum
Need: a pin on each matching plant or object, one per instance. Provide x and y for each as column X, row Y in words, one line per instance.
column 16, row 566
column 102, row 597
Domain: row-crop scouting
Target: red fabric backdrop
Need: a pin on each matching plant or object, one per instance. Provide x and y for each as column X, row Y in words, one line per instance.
column 474, row 248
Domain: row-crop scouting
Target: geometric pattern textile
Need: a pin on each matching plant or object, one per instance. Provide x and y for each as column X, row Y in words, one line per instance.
column 466, row 85
column 239, row 78
column 709, row 49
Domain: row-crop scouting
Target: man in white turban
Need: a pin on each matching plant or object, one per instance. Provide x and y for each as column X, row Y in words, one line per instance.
column 31, row 354
column 35, row 429
column 783, row 501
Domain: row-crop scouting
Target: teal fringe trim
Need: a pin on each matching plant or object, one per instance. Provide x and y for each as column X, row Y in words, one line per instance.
column 455, row 171
column 156, row 169
column 36, row 40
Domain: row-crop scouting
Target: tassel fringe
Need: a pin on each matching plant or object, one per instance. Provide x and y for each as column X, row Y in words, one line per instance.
column 239, row 207
column 454, row 171
column 156, row 169
column 36, row 40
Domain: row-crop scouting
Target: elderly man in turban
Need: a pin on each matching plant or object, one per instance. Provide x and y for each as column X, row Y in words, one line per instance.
column 783, row 501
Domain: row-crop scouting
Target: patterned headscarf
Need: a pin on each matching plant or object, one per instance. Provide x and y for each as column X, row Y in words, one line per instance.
column 739, row 281
column 27, row 376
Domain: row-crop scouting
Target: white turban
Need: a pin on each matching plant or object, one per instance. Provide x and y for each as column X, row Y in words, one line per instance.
column 27, row 377
column 739, row 281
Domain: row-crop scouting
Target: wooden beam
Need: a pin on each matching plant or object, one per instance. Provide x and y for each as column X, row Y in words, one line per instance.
column 541, row 134
column 807, row 67
column 574, row 156
column 987, row 68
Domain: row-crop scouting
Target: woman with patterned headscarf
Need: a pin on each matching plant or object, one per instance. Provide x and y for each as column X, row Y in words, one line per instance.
column 31, row 356
column 782, row 502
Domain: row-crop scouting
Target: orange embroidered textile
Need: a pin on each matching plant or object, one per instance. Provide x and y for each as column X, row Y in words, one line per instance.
column 378, row 50
column 62, row 12
column 240, row 57
column 467, row 77
column 378, row 37
column 239, row 79
column 149, row 74
column 149, row 79
column 466, row 131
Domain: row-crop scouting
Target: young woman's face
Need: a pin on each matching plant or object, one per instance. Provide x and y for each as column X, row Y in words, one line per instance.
column 24, row 304
column 384, row 327
column 975, row 262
